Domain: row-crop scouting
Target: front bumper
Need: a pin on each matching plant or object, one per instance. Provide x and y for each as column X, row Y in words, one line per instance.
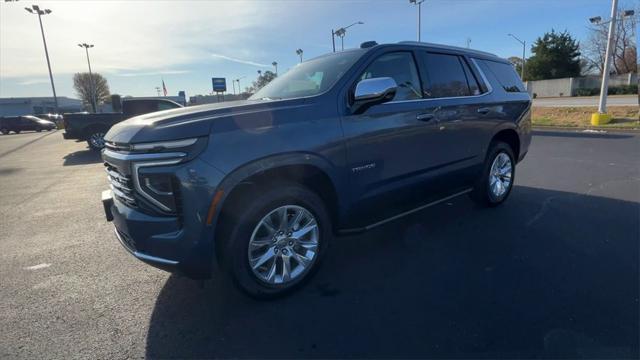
column 182, row 243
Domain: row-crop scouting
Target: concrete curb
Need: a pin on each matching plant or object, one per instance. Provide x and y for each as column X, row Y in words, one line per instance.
column 579, row 129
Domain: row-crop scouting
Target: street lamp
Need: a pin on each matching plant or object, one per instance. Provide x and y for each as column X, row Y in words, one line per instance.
column 601, row 116
column 419, row 4
column 299, row 52
column 92, row 84
column 524, row 47
column 341, row 32
column 275, row 65
column 238, row 81
column 35, row 9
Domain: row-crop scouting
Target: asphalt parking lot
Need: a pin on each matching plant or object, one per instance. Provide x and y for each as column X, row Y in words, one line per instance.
column 552, row 273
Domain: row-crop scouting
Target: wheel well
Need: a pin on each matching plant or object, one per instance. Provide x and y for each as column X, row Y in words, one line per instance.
column 94, row 128
column 309, row 176
column 510, row 137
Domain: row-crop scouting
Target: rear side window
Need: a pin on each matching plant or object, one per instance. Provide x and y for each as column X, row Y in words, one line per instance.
column 446, row 76
column 506, row 75
column 163, row 105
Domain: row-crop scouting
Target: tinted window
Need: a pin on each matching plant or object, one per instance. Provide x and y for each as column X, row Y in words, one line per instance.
column 506, row 75
column 401, row 67
column 446, row 76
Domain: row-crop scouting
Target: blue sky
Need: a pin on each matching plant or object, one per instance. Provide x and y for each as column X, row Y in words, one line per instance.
column 138, row 43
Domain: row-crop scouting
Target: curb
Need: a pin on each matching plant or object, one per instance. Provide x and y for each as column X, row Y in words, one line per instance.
column 579, row 129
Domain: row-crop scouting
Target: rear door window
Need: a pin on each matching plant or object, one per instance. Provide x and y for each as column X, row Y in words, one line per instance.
column 505, row 74
column 446, row 76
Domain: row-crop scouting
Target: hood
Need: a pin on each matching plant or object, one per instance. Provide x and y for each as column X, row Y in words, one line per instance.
column 182, row 123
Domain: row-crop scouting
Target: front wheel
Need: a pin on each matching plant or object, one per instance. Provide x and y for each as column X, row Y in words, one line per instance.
column 96, row 140
column 498, row 174
column 4, row 131
column 277, row 240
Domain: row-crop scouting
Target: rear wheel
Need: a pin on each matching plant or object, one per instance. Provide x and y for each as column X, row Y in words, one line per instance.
column 39, row 129
column 276, row 240
column 498, row 174
column 4, row 131
column 96, row 140
column 16, row 131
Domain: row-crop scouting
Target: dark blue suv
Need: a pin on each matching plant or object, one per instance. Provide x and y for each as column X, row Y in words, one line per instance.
column 339, row 144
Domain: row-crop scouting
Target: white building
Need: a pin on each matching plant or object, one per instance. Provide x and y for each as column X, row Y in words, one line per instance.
column 38, row 105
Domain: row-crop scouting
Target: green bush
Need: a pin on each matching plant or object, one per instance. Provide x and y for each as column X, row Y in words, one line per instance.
column 613, row 90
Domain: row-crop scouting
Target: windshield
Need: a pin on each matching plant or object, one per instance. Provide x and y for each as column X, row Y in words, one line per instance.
column 308, row 78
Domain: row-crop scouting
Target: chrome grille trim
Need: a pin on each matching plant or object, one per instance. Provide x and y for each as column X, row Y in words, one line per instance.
column 121, row 185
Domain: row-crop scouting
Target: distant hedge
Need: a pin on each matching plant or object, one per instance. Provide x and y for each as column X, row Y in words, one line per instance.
column 613, row 90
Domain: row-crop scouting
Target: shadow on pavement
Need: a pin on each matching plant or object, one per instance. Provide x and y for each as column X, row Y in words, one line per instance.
column 548, row 274
column 82, row 157
column 25, row 144
column 581, row 134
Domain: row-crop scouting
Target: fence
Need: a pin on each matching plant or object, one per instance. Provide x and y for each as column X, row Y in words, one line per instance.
column 570, row 86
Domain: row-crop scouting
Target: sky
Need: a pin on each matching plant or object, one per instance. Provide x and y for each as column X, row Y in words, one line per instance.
column 186, row 43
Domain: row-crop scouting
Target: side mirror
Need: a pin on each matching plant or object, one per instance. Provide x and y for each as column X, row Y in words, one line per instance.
column 373, row 91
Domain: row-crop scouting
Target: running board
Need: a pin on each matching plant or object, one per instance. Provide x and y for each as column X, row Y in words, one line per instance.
column 396, row 217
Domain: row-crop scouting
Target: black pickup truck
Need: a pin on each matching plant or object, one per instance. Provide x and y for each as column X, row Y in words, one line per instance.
column 92, row 127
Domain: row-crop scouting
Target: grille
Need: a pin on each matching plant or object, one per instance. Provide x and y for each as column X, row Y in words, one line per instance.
column 121, row 185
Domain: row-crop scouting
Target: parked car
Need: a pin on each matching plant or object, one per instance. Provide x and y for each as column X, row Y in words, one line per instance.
column 92, row 127
column 17, row 124
column 339, row 144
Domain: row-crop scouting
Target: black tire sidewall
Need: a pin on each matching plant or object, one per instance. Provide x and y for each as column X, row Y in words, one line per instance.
column 91, row 146
column 235, row 253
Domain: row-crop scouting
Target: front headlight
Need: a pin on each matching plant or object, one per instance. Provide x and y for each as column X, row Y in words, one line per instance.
column 156, row 186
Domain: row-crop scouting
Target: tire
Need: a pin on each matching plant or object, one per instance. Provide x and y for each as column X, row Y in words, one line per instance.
column 498, row 175
column 39, row 130
column 16, row 131
column 5, row 131
column 95, row 140
column 261, row 272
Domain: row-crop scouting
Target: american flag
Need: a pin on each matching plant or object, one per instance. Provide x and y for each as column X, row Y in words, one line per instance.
column 164, row 88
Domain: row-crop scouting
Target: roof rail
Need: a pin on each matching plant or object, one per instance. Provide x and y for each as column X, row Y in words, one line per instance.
column 447, row 47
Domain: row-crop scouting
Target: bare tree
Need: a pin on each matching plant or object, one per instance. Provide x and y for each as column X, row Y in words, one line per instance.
column 624, row 49
column 82, row 86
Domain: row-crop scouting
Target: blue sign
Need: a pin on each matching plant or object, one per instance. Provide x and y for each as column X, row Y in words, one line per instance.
column 219, row 84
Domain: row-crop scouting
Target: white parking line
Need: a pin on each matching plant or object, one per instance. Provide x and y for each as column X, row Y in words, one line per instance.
column 37, row 267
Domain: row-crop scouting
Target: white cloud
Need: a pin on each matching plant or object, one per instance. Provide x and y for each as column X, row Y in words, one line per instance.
column 239, row 61
column 130, row 37
column 153, row 73
column 37, row 81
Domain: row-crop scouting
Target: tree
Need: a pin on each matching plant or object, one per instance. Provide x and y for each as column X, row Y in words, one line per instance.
column 555, row 55
column 263, row 79
column 82, row 86
column 624, row 49
column 517, row 63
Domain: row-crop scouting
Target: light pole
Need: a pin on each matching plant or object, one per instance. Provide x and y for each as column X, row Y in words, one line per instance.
column 341, row 32
column 299, row 52
column 158, row 90
column 419, row 4
column 238, row 81
column 601, row 116
column 35, row 9
column 92, row 84
column 524, row 47
column 275, row 65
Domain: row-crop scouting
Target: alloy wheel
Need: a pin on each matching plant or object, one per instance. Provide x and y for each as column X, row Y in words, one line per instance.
column 284, row 245
column 500, row 175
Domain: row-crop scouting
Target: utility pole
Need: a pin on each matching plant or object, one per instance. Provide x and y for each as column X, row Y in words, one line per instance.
column 419, row 4
column 94, row 104
column 524, row 47
column 35, row 9
column 604, row 88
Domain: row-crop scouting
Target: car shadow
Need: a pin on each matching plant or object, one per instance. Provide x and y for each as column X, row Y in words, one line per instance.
column 548, row 274
column 82, row 157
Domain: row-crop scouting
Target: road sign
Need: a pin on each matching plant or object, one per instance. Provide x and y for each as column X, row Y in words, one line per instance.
column 219, row 84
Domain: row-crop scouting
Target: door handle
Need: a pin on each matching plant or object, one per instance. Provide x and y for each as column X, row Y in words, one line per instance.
column 425, row 117
column 484, row 110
